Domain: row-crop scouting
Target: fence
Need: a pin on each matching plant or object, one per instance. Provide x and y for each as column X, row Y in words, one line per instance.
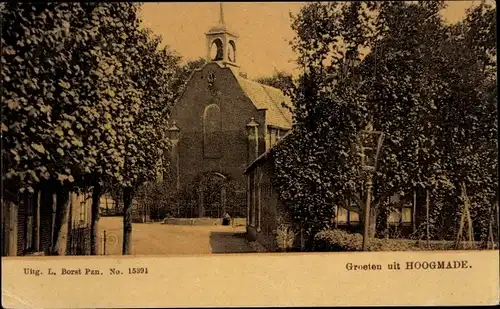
column 79, row 241
column 109, row 241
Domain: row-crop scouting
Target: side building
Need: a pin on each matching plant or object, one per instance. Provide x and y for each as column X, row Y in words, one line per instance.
column 28, row 228
column 270, row 224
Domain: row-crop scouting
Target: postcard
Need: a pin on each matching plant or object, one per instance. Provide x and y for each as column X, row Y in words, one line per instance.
column 220, row 154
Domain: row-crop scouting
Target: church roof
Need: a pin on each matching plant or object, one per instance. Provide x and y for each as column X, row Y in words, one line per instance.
column 218, row 28
column 221, row 28
column 269, row 98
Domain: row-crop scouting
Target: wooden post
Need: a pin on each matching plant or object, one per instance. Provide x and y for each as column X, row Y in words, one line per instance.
column 53, row 225
column 414, row 211
column 367, row 214
column 427, row 206
column 465, row 215
column 104, row 243
column 470, row 231
column 460, row 229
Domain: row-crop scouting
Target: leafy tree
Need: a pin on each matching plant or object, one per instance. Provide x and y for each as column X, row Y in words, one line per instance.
column 470, row 107
column 149, row 137
column 280, row 80
column 44, row 67
column 388, row 64
column 183, row 73
column 313, row 166
column 88, row 96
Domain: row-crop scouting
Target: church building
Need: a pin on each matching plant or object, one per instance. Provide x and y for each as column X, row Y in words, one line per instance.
column 220, row 124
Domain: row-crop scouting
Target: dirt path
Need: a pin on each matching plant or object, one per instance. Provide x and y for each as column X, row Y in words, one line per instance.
column 164, row 239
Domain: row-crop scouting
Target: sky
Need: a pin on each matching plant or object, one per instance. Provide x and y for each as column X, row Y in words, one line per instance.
column 263, row 27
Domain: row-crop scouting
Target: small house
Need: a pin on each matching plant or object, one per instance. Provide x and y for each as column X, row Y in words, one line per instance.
column 28, row 228
column 269, row 223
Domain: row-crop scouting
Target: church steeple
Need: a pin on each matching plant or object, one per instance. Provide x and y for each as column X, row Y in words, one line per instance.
column 221, row 42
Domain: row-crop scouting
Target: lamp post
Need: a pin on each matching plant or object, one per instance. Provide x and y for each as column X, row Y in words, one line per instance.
column 370, row 142
column 174, row 133
column 253, row 138
column 252, row 153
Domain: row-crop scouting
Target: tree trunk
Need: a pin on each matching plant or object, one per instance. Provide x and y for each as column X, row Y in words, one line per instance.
column 127, row 220
column 61, row 218
column 36, row 219
column 96, row 196
column 373, row 222
column 70, row 227
column 46, row 209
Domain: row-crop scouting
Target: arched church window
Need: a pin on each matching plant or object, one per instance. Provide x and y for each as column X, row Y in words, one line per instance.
column 231, row 51
column 212, row 127
column 216, row 51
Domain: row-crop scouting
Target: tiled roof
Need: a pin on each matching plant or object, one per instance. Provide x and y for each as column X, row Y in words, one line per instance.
column 221, row 28
column 269, row 98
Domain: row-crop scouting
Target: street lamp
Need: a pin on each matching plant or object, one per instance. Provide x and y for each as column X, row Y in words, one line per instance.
column 370, row 142
column 174, row 133
column 252, row 142
column 253, row 135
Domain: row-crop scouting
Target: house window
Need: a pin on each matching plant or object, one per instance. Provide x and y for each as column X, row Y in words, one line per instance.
column 82, row 211
column 273, row 136
column 406, row 215
column 353, row 217
column 341, row 215
column 267, row 189
column 212, row 127
column 403, row 212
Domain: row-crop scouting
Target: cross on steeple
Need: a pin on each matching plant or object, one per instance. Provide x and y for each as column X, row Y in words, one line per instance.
column 221, row 15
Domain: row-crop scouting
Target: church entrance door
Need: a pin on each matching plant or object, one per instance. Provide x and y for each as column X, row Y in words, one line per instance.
column 212, row 189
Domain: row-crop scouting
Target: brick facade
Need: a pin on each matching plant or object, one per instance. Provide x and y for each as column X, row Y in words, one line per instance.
column 236, row 110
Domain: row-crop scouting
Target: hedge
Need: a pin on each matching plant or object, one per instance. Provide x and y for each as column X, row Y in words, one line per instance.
column 340, row 240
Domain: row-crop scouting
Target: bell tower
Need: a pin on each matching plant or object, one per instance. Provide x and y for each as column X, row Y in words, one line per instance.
column 221, row 43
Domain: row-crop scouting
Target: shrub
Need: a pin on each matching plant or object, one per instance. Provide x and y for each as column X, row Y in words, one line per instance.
column 285, row 237
column 339, row 240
